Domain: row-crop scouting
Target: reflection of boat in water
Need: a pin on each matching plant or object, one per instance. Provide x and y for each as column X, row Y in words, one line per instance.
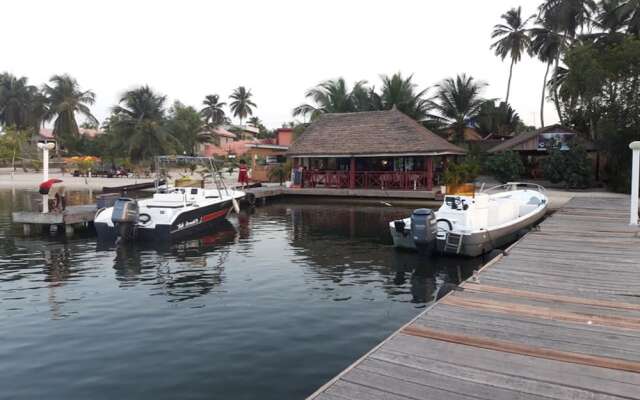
column 172, row 213
column 472, row 224
column 180, row 270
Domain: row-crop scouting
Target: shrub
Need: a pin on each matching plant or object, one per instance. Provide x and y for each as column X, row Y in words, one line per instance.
column 572, row 167
column 505, row 166
column 459, row 173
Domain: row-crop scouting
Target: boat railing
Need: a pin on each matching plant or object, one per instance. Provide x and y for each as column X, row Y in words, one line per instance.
column 514, row 186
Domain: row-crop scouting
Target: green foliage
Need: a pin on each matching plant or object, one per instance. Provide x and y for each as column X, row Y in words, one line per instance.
column 457, row 101
column 242, row 105
column 12, row 143
column 572, row 167
column 213, row 112
column 279, row 173
column 66, row 99
column 459, row 173
column 501, row 119
column 505, row 166
column 184, row 124
column 138, row 124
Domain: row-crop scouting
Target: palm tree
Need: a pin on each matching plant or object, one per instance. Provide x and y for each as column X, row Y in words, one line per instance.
column 547, row 44
column 513, row 39
column 241, row 104
column 333, row 96
column 457, row 102
column 139, row 121
column 628, row 11
column 255, row 121
column 213, row 112
column 65, row 100
column 401, row 93
column 565, row 17
column 16, row 97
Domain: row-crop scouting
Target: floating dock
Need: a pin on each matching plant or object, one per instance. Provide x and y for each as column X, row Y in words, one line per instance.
column 557, row 317
column 67, row 220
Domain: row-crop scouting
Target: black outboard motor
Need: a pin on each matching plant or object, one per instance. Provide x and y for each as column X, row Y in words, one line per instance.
column 125, row 217
column 424, row 228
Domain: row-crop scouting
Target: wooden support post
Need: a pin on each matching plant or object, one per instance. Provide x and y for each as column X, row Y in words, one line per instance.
column 429, row 165
column 68, row 230
column 635, row 178
column 352, row 173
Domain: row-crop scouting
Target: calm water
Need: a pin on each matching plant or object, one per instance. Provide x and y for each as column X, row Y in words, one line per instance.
column 271, row 306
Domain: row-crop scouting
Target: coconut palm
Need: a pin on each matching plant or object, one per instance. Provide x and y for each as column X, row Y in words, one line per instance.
column 333, row 96
column 65, row 100
column 457, row 102
column 513, row 39
column 241, row 106
column 402, row 93
column 568, row 16
column 546, row 44
column 213, row 112
column 628, row 11
column 139, row 121
column 16, row 97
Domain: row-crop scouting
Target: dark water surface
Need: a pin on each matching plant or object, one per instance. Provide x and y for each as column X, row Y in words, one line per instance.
column 271, row 306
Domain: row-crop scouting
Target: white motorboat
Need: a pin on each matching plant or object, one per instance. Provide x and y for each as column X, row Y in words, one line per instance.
column 172, row 212
column 474, row 223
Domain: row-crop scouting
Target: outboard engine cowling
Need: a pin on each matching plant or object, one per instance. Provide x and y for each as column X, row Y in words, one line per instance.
column 125, row 217
column 424, row 229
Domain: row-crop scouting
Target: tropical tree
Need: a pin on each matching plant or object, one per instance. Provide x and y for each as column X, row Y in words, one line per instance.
column 138, row 122
column 241, row 106
column 547, row 45
column 512, row 39
column 457, row 102
column 184, row 124
column 65, row 99
column 213, row 112
column 628, row 11
column 566, row 18
column 501, row 119
column 403, row 94
column 333, row 96
column 11, row 145
column 16, row 97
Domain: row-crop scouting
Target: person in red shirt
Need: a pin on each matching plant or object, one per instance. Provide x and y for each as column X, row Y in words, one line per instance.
column 243, row 174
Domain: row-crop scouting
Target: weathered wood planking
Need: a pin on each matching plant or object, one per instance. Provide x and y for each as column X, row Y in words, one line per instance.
column 558, row 317
column 72, row 215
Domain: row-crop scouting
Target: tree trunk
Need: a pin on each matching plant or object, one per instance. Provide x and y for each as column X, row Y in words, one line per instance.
column 556, row 101
column 509, row 82
column 544, row 91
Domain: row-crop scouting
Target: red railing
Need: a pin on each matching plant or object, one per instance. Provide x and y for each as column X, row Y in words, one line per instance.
column 387, row 180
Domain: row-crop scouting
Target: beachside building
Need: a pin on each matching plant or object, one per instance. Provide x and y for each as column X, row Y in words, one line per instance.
column 371, row 150
column 268, row 154
column 534, row 146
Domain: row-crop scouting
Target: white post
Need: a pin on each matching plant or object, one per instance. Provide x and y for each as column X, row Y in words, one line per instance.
column 635, row 177
column 45, row 176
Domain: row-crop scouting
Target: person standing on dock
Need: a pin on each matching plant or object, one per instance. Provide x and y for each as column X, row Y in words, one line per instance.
column 243, row 174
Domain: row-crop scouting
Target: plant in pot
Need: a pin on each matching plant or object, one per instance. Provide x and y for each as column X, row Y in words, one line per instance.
column 458, row 177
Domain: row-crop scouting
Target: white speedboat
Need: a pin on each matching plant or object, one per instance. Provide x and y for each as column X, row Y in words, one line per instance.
column 472, row 224
column 171, row 213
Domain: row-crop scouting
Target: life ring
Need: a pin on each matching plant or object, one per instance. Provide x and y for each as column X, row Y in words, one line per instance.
column 144, row 218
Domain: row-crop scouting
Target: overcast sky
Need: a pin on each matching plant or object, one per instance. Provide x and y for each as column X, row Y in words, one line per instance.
column 187, row 49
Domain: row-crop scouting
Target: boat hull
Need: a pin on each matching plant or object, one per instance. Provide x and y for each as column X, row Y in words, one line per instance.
column 186, row 224
column 474, row 244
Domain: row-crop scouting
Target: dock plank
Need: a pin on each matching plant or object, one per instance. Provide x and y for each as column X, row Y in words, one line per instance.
column 557, row 317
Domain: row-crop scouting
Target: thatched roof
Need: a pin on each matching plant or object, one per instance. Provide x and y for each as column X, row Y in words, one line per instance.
column 371, row 133
column 525, row 137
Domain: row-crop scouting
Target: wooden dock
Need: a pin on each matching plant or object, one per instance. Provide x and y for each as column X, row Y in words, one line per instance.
column 558, row 317
column 67, row 219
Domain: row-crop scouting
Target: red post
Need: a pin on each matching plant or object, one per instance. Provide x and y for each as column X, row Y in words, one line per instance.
column 352, row 173
column 429, row 164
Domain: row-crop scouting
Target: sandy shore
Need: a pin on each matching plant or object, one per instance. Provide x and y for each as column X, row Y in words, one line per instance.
column 31, row 180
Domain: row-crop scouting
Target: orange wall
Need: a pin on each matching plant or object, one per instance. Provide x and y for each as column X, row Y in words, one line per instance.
column 285, row 137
